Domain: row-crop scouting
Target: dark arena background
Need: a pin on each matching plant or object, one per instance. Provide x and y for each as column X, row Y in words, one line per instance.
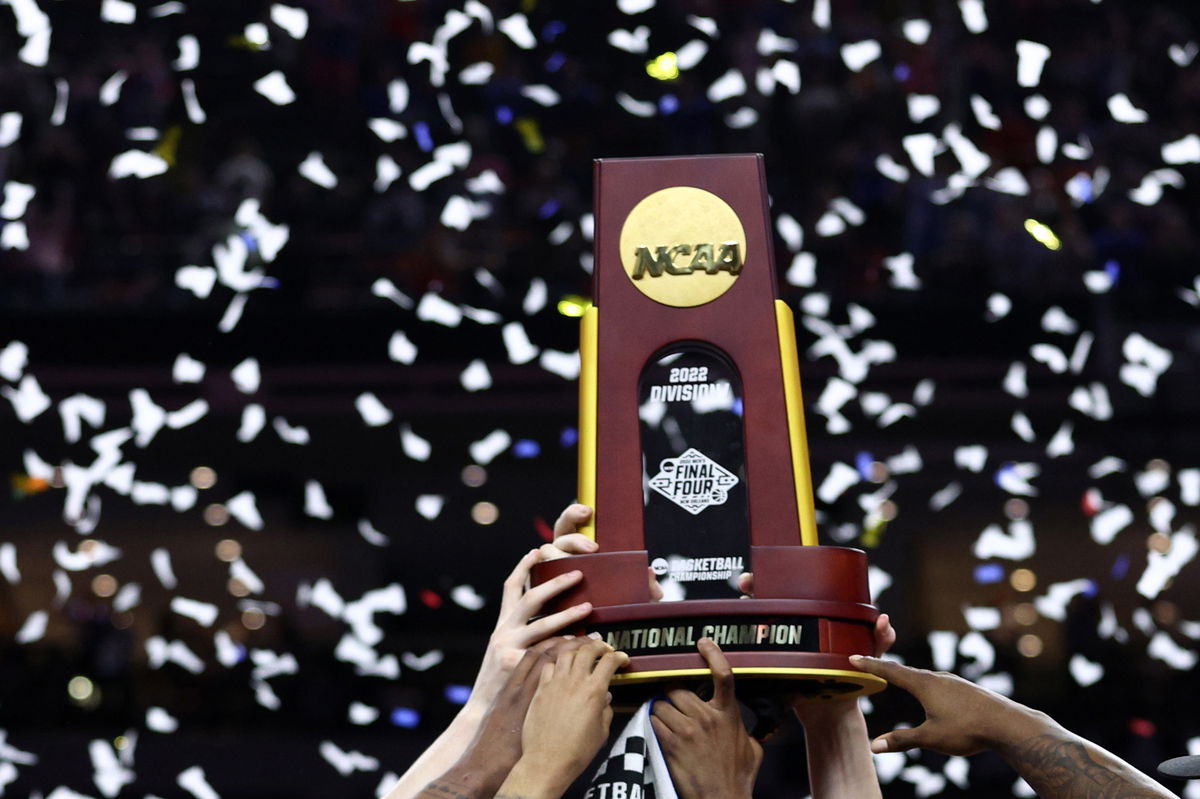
column 288, row 341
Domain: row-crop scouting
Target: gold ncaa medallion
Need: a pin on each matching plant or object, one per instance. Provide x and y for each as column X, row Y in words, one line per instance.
column 683, row 246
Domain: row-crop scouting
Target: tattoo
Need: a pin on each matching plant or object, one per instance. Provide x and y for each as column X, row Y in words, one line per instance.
column 1067, row 768
column 445, row 790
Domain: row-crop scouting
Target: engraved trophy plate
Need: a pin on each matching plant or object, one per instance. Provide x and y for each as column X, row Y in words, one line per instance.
column 692, row 444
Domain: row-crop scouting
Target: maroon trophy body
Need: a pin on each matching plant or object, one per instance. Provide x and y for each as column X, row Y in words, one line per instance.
column 693, row 450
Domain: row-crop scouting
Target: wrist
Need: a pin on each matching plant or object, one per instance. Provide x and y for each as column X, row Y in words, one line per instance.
column 536, row 777
column 1020, row 724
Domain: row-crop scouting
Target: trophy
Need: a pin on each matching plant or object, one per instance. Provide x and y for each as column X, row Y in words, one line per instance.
column 692, row 446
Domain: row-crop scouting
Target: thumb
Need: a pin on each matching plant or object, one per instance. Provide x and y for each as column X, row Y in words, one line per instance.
column 900, row 740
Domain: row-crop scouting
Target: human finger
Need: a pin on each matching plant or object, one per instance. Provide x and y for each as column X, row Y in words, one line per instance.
column 569, row 520
column 514, row 584
column 905, row 677
column 569, row 544
column 900, row 740
column 656, row 591
column 885, row 635
column 685, row 701
column 746, row 583
column 666, row 714
column 531, row 602
column 588, row 654
column 608, row 664
column 722, row 672
column 549, row 625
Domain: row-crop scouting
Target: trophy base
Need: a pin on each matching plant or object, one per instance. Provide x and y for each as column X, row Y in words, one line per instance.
column 795, row 641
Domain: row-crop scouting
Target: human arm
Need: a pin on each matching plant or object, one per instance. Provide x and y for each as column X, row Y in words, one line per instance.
column 512, row 635
column 962, row 718
column 836, row 740
column 708, row 750
column 567, row 721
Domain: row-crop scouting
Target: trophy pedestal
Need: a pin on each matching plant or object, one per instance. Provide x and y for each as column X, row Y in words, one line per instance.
column 810, row 612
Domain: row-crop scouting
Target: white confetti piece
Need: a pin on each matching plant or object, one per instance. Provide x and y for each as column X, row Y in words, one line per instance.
column 691, row 54
column 233, row 314
column 98, row 553
column 1123, row 110
column 387, row 171
column 16, row 199
column 923, row 106
column 1014, row 380
column 107, row 772
column 517, row 29
column 138, row 164
column 14, row 236
column 1084, row 671
column 244, row 508
column 888, row 167
column 1162, row 514
column 634, row 41
column 1097, row 281
column 430, row 505
column 347, row 763
column 373, row 412
column 638, row 108
column 1162, row 567
column 1051, row 356
column 803, row 270
column 1053, row 604
column 1189, row 486
column 516, row 342
column 974, row 16
column 159, row 652
column 984, row 114
column 413, row 445
column 159, row 720
column 878, row 581
column 290, row 434
column 1092, row 401
column 188, row 415
column 422, row 662
column 1023, row 427
column 1079, row 356
column 77, row 409
column 315, row 169
column 971, row 458
column 62, row 587
column 238, row 570
column 187, row 369
column 731, row 84
column 274, row 87
column 160, row 561
column 841, row 477
column 857, row 55
column 979, row 651
column 467, row 597
column 477, row 74
column 434, row 308
column 127, row 598
column 485, row 450
column 388, row 130
column 118, row 11
column 476, row 376
column 8, row 563
column 998, row 307
column 744, row 117
column 254, row 419
column 292, row 20
column 1163, row 647
column 149, row 493
column 982, row 618
column 921, row 149
column 635, row 6
column 197, row 279
column 974, row 161
column 957, row 770
column 191, row 102
column 194, row 781
column 1150, row 190
column 917, row 30
column 943, row 645
column 401, row 348
column 315, row 503
column 13, row 360
column 189, row 54
column 1031, row 58
column 1183, row 55
column 33, row 629
column 1061, row 443
column 203, row 613
column 361, row 714
column 1017, row 544
column 1107, row 524
column 1055, row 320
column 943, row 497
column 1046, row 144
column 563, row 364
column 371, row 535
column 359, row 614
column 10, row 127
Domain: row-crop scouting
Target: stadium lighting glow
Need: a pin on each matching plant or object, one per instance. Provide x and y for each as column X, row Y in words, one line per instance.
column 1042, row 234
column 665, row 67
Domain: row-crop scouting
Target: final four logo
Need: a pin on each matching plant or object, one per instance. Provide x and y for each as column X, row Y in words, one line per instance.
column 693, row 481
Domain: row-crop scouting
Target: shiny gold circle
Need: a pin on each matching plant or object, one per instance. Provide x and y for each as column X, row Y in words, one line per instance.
column 1030, row 645
column 1023, row 580
column 681, row 216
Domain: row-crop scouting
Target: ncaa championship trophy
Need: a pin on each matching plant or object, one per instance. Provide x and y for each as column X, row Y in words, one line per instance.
column 692, row 447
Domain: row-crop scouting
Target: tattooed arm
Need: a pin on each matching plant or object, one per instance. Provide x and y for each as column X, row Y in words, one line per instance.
column 961, row 719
